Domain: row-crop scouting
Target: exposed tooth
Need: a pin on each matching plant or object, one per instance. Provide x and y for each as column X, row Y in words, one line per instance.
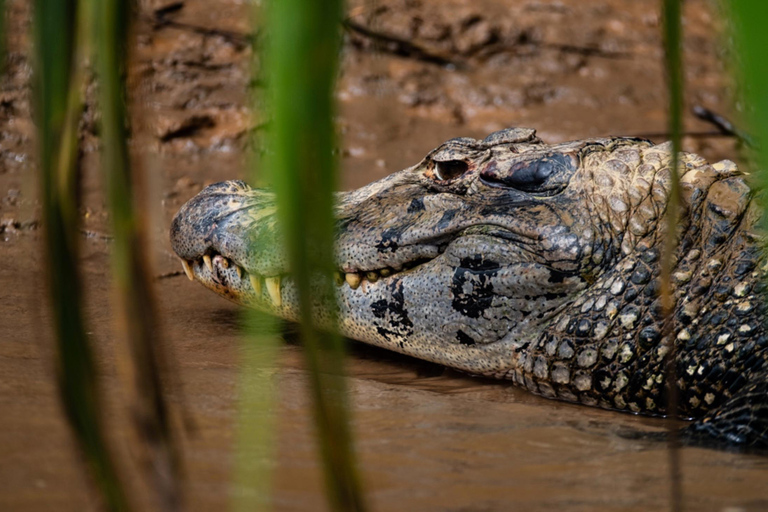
column 256, row 283
column 207, row 260
column 187, row 269
column 353, row 280
column 372, row 276
column 273, row 289
column 338, row 278
column 239, row 271
column 385, row 272
column 224, row 262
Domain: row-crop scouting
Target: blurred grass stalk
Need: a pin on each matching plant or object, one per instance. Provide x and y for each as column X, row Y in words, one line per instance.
column 258, row 358
column 303, row 44
column 749, row 19
column 131, row 272
column 58, row 102
column 63, row 30
column 254, row 446
column 673, row 63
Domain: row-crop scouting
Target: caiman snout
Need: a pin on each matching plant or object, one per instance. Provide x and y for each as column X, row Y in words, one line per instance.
column 226, row 239
column 204, row 221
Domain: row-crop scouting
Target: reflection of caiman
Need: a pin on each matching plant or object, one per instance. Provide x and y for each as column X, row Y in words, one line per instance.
column 537, row 263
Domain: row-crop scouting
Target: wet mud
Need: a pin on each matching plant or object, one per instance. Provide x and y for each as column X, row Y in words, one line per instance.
column 414, row 73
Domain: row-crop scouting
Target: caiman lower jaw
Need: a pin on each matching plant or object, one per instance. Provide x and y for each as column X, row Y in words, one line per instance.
column 229, row 279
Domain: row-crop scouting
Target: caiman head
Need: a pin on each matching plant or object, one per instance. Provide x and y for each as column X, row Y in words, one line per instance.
column 459, row 259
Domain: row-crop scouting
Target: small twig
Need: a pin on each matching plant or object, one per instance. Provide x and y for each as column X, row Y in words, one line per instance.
column 398, row 46
column 722, row 124
column 168, row 275
column 668, row 135
column 161, row 19
column 402, row 47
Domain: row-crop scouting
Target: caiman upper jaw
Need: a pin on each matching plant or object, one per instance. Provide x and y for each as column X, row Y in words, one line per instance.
column 205, row 221
column 226, row 237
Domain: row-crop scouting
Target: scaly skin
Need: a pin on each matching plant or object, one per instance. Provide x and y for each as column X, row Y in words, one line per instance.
column 533, row 262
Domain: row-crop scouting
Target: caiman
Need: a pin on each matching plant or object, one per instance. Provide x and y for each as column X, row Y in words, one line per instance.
column 538, row 263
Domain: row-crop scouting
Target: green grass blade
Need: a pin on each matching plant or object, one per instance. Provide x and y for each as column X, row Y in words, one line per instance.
column 749, row 18
column 129, row 265
column 674, row 71
column 57, row 102
column 303, row 45
column 254, row 447
column 255, row 441
column 673, row 28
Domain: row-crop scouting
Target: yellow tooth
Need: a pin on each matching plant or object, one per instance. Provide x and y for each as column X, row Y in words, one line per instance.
column 372, row 276
column 385, row 272
column 256, row 283
column 353, row 280
column 187, row 269
column 273, row 289
column 224, row 262
column 207, row 260
column 239, row 271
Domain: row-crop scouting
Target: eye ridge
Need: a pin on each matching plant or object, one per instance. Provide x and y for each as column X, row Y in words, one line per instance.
column 529, row 176
column 532, row 176
column 450, row 169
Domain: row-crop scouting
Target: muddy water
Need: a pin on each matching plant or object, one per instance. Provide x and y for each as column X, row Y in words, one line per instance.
column 428, row 438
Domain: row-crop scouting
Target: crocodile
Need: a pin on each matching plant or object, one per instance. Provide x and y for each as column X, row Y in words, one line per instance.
column 538, row 263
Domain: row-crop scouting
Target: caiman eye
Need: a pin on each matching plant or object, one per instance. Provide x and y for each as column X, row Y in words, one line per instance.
column 450, row 169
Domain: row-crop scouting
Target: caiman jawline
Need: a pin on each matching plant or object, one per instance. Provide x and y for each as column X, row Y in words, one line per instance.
column 213, row 266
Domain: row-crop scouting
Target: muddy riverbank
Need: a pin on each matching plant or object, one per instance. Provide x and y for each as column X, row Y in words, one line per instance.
column 428, row 438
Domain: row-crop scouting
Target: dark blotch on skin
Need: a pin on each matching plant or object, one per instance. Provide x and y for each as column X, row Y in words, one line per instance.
column 417, row 205
column 478, row 263
column 445, row 221
column 464, row 338
column 556, row 276
column 388, row 240
column 379, row 308
column 393, row 313
column 479, row 273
